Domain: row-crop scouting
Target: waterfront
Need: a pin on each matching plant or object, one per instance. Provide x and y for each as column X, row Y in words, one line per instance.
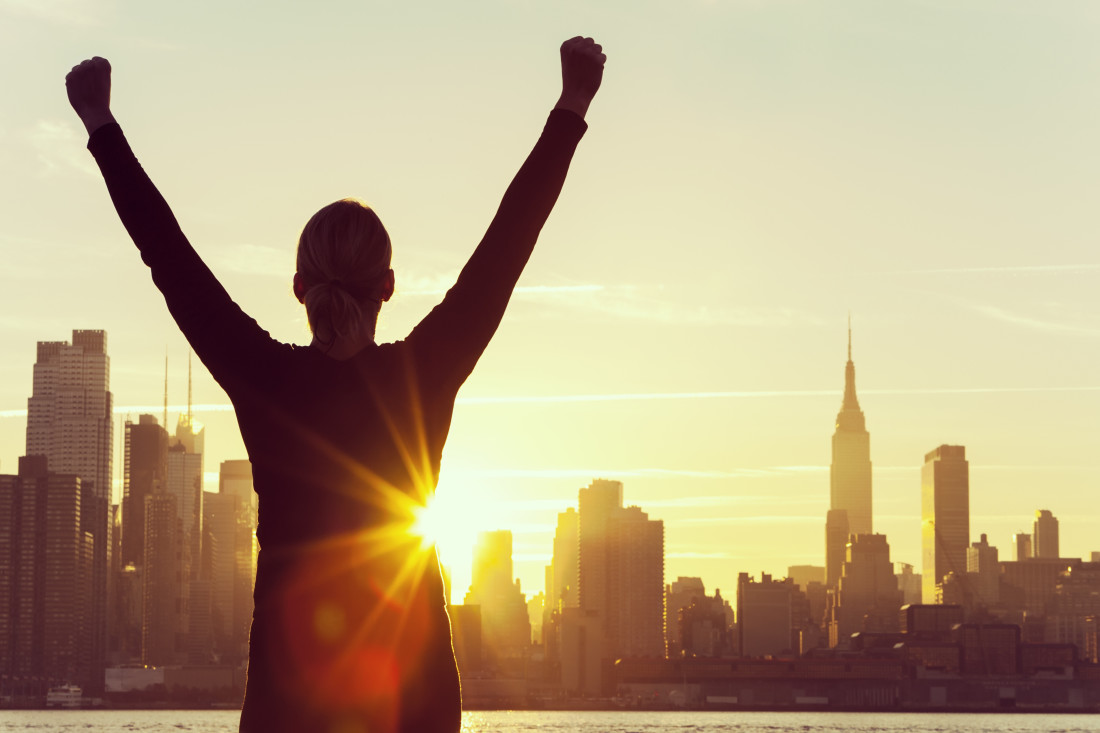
column 504, row 721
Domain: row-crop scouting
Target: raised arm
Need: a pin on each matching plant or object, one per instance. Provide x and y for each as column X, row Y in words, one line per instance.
column 456, row 332
column 228, row 341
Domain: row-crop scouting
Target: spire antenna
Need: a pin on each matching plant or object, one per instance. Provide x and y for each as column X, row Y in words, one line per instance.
column 849, row 335
column 165, row 388
column 189, row 423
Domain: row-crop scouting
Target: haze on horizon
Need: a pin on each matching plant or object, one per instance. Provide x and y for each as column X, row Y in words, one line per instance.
column 753, row 172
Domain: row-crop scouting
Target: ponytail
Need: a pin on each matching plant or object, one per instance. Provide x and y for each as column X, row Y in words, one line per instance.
column 343, row 256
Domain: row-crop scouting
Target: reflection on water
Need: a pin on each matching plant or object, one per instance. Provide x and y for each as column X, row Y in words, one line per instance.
column 219, row 721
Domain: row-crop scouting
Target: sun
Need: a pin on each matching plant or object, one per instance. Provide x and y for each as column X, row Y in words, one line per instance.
column 451, row 522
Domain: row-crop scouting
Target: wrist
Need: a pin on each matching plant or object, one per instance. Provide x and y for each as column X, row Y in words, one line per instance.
column 577, row 103
column 96, row 119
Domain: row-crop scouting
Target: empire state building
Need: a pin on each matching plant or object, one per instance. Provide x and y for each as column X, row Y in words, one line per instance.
column 850, row 472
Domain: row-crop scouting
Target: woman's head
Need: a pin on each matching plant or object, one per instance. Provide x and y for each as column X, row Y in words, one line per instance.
column 344, row 272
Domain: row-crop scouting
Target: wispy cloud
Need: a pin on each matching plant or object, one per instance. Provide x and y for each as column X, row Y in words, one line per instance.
column 1029, row 321
column 60, row 147
column 67, row 12
column 623, row 301
column 760, row 519
column 255, row 259
column 1015, row 270
column 646, row 396
column 706, row 556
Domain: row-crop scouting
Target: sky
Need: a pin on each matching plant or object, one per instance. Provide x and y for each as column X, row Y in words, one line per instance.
column 754, row 172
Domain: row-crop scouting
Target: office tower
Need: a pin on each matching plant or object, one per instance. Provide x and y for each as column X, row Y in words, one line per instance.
column 69, row 422
column 850, row 471
column 679, row 595
column 983, row 570
column 908, row 583
column 867, row 596
column 1045, row 534
column 164, row 602
column 506, row 629
column 596, row 504
column 561, row 588
column 765, row 619
column 621, row 571
column 704, row 627
column 945, row 515
column 836, row 544
column 45, row 580
column 637, row 559
column 229, row 532
column 804, row 575
column 1076, row 600
column 1022, row 542
column 145, row 465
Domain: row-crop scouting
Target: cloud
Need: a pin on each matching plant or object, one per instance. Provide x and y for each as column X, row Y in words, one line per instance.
column 1015, row 270
column 758, row 519
column 644, row 396
column 707, row 556
column 1027, row 321
column 67, row 12
column 255, row 259
column 60, row 147
column 622, row 301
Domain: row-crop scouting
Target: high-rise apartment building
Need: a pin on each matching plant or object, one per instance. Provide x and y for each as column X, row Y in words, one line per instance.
column 836, row 544
column 596, row 504
column 45, row 579
column 850, row 471
column 229, row 528
column 1045, row 533
column 637, row 558
column 563, row 577
column 945, row 515
column 867, row 595
column 983, row 569
column 69, row 422
column 506, row 628
column 621, row 571
column 164, row 602
column 145, row 465
column 1021, row 541
column 765, row 617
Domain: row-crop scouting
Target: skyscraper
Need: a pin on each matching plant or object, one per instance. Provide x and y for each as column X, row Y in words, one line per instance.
column 506, row 628
column 45, row 576
column 637, row 560
column 595, row 504
column 1045, row 532
column 850, row 472
column 235, row 480
column 621, row 571
column 69, row 422
column 945, row 516
column 836, row 543
column 867, row 596
column 563, row 577
column 144, row 471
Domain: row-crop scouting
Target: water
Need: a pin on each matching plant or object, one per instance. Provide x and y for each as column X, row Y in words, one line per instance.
column 220, row 721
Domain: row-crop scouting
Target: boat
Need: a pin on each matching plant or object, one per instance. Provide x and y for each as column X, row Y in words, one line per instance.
column 65, row 696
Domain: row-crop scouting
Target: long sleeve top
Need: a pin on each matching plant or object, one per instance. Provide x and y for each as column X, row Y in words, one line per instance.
column 350, row 623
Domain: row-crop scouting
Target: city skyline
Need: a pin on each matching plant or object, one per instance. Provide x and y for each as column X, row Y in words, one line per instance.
column 191, row 433
column 681, row 328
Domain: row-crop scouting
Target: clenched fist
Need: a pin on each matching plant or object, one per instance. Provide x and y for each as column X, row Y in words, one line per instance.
column 582, row 61
column 89, row 87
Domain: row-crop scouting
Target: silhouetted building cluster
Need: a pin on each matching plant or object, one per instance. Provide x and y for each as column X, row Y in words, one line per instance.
column 159, row 579
column 159, row 587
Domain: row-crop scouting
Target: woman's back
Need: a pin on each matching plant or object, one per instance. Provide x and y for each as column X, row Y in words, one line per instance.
column 350, row 620
column 350, row 631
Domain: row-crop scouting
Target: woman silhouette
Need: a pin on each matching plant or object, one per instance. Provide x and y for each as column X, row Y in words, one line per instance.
column 350, row 629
